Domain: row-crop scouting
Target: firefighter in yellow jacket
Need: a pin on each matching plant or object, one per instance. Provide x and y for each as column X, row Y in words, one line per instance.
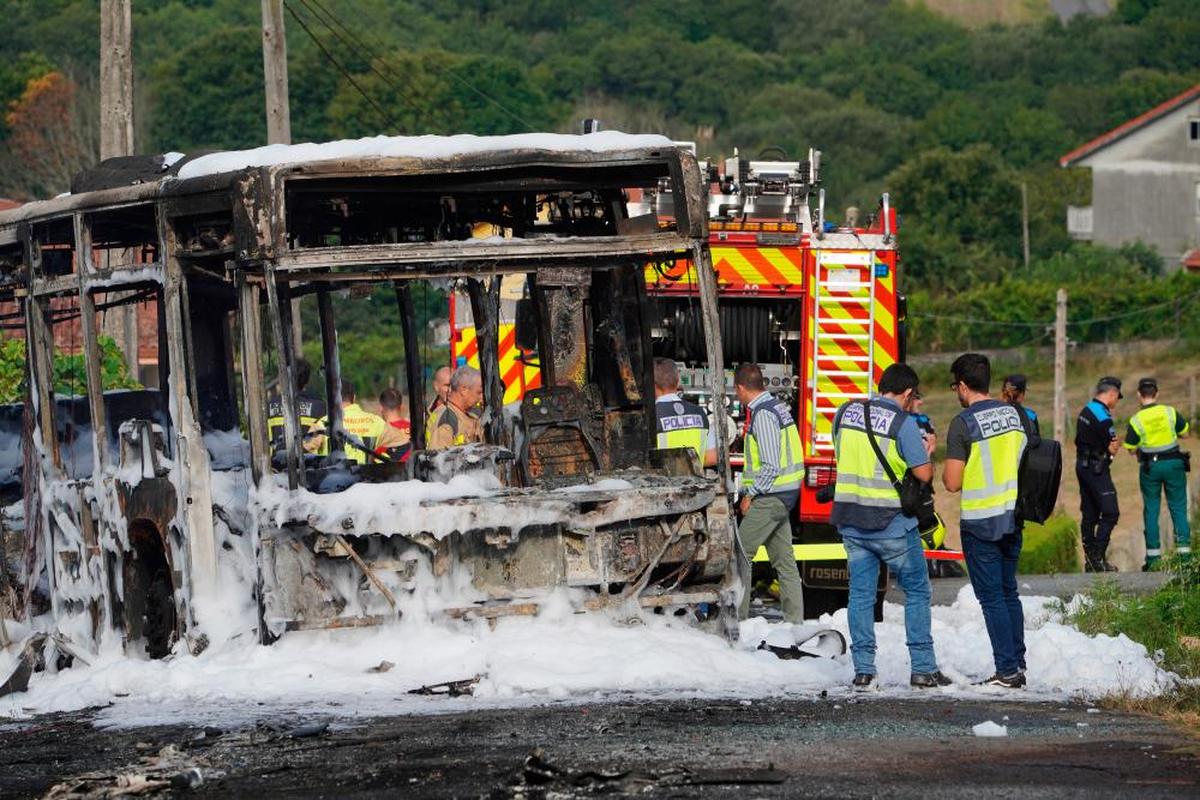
column 1153, row 436
column 453, row 423
column 363, row 429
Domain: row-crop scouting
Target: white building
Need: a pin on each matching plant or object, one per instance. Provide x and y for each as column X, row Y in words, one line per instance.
column 1145, row 182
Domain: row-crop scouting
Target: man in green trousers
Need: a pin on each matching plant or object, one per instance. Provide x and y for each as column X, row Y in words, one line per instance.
column 770, row 487
column 1153, row 436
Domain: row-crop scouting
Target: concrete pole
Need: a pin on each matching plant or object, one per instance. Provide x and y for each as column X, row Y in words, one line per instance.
column 116, row 78
column 116, row 139
column 1060, row 366
column 1025, row 221
column 279, row 115
column 1060, row 374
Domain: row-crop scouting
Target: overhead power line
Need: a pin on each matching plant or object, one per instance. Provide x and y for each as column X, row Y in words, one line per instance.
column 340, row 68
column 373, row 47
column 1015, row 324
column 347, row 38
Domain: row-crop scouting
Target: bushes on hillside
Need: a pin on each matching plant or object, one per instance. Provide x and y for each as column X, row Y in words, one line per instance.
column 1113, row 295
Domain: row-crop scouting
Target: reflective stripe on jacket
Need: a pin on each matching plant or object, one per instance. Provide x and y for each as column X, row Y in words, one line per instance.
column 791, row 451
column 989, row 486
column 1155, row 428
column 864, row 496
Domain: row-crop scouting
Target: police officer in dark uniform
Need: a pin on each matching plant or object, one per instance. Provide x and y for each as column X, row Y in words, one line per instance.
column 1013, row 391
column 1096, row 443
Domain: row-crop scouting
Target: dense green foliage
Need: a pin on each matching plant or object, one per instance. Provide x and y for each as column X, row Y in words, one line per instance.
column 878, row 84
column 1050, row 549
column 70, row 380
column 1113, row 295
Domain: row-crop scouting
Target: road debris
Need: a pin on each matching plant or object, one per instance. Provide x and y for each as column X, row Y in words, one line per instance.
column 990, row 729
column 449, row 688
column 168, row 770
column 382, row 666
column 539, row 777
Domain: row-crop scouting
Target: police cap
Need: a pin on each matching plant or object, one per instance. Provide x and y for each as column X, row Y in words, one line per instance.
column 1109, row 382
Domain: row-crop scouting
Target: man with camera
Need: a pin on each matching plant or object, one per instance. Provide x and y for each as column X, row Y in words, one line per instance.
column 877, row 442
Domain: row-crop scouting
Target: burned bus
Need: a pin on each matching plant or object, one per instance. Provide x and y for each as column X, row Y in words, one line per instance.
column 163, row 516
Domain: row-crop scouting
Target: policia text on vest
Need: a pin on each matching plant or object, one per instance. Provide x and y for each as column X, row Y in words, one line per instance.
column 984, row 445
column 1153, row 436
column 875, row 528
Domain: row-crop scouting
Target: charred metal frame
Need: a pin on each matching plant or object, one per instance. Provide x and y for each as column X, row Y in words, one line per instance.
column 262, row 269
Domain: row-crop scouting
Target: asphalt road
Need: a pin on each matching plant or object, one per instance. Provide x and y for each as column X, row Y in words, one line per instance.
column 842, row 747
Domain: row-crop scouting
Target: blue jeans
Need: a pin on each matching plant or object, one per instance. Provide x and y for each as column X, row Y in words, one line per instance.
column 992, row 567
column 906, row 559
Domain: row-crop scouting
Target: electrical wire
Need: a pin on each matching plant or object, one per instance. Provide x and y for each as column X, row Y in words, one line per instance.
column 1070, row 322
column 348, row 40
column 329, row 56
column 373, row 51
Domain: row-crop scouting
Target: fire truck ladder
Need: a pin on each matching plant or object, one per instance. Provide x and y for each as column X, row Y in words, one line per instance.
column 843, row 339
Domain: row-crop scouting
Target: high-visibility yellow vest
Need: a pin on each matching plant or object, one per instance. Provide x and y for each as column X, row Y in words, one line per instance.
column 681, row 424
column 791, row 451
column 310, row 409
column 864, row 496
column 361, row 424
column 989, row 484
column 1155, row 427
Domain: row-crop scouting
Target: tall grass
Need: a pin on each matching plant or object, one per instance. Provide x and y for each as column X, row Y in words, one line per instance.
column 1166, row 622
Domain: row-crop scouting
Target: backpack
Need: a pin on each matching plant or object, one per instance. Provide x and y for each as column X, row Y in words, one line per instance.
column 1039, row 474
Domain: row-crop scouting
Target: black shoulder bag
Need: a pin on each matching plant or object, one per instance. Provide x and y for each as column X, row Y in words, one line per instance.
column 916, row 496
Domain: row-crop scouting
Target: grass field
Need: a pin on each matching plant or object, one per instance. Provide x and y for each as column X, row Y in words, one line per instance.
column 1172, row 369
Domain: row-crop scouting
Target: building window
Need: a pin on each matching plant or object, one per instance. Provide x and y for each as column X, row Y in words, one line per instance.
column 1194, row 130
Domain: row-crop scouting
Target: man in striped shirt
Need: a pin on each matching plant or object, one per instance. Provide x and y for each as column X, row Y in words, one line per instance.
column 770, row 486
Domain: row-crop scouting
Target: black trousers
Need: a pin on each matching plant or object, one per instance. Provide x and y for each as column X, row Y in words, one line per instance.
column 1099, row 510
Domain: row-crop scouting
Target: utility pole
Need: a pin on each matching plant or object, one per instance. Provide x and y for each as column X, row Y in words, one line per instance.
column 1025, row 221
column 275, row 73
column 279, row 114
column 1060, row 374
column 1060, row 366
column 116, row 139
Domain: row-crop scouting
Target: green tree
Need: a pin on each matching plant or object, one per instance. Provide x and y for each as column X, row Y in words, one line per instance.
column 209, row 94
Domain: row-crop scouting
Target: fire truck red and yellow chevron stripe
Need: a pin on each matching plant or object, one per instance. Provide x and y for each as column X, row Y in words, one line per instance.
column 738, row 266
column 850, row 354
column 518, row 377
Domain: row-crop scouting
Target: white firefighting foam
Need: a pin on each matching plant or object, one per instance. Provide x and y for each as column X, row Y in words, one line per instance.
column 558, row 656
column 429, row 147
